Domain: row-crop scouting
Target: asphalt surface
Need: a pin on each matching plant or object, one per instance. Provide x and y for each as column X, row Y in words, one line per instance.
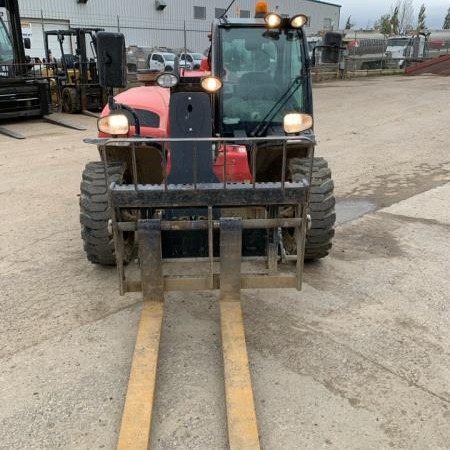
column 360, row 359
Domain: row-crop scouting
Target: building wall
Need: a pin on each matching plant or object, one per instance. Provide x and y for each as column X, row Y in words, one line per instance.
column 144, row 26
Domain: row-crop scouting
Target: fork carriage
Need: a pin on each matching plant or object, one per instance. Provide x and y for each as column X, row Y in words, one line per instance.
column 225, row 217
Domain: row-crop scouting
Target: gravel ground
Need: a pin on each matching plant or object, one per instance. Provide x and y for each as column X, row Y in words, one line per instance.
column 358, row 360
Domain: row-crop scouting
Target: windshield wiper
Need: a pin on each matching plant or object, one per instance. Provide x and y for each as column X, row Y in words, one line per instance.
column 261, row 128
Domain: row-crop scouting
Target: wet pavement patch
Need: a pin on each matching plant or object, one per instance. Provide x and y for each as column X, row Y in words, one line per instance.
column 348, row 210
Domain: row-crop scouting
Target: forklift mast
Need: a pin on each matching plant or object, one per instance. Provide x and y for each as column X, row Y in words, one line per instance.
column 24, row 92
column 82, row 55
column 81, row 43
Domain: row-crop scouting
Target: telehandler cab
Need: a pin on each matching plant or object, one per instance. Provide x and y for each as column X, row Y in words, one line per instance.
column 215, row 170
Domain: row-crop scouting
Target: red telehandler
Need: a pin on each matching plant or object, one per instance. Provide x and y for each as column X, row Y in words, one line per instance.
column 216, row 171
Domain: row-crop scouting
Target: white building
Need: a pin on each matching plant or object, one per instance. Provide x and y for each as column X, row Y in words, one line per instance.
column 156, row 22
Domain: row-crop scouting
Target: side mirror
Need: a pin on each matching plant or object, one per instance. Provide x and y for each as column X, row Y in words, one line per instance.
column 27, row 43
column 176, row 66
column 112, row 69
column 331, row 47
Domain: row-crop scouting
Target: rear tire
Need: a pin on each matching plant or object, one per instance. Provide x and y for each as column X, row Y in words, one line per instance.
column 70, row 101
column 95, row 214
column 321, row 207
column 131, row 68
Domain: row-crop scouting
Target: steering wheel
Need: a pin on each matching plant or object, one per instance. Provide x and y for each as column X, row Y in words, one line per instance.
column 262, row 92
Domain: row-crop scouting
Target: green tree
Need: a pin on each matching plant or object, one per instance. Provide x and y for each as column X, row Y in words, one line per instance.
column 349, row 25
column 395, row 21
column 421, row 25
column 446, row 25
column 383, row 24
column 399, row 20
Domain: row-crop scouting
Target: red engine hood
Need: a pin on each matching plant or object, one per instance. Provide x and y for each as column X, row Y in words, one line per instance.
column 149, row 98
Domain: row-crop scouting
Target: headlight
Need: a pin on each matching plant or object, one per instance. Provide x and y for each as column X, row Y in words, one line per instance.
column 211, row 84
column 167, row 80
column 113, row 124
column 294, row 123
column 299, row 21
column 272, row 20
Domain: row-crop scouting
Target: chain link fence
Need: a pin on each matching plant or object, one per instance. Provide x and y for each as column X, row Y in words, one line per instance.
column 138, row 31
column 146, row 33
column 380, row 56
column 392, row 53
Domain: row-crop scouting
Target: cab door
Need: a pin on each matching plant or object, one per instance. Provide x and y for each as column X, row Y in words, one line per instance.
column 157, row 62
column 190, row 61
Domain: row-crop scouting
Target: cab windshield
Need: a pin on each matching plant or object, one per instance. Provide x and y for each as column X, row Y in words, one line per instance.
column 6, row 52
column 259, row 67
column 398, row 42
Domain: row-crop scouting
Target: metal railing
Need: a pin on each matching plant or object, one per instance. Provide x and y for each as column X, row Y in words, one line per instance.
column 29, row 70
column 370, row 57
column 218, row 144
column 53, row 73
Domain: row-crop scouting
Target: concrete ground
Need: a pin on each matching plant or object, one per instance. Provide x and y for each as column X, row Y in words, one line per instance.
column 360, row 359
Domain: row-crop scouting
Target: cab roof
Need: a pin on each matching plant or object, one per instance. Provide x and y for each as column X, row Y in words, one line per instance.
column 237, row 21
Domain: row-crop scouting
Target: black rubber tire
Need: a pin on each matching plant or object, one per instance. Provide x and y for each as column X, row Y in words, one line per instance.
column 321, row 205
column 95, row 213
column 131, row 68
column 70, row 101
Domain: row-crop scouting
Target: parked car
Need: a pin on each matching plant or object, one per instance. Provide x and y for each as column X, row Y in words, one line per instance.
column 191, row 60
column 162, row 61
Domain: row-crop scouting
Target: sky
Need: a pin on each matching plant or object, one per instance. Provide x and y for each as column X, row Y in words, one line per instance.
column 366, row 12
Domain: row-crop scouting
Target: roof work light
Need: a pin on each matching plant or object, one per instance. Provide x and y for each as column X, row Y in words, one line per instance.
column 298, row 21
column 276, row 20
column 273, row 20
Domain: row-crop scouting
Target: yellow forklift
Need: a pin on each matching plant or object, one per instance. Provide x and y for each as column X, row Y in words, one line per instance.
column 24, row 84
column 78, row 89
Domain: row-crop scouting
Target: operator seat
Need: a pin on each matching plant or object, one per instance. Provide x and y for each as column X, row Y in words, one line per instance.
column 69, row 60
column 257, row 86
